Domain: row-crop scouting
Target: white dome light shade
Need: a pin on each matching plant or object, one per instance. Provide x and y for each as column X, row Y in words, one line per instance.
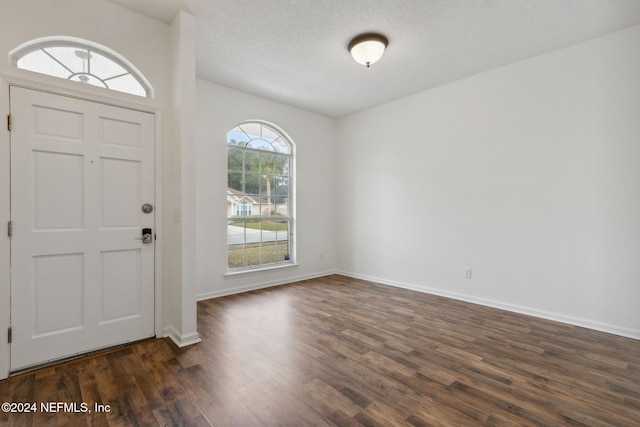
column 367, row 49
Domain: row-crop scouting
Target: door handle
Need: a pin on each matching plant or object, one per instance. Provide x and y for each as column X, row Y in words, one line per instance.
column 147, row 236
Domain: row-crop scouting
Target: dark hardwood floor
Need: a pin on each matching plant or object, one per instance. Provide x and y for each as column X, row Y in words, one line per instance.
column 340, row 351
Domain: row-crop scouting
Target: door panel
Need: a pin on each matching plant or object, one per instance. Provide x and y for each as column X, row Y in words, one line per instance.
column 58, row 197
column 121, row 183
column 58, row 282
column 81, row 278
column 120, row 285
column 51, row 121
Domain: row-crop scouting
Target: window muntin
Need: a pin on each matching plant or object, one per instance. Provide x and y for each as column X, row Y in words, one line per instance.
column 83, row 62
column 259, row 199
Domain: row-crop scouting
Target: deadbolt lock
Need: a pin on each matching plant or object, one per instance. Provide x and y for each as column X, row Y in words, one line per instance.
column 147, row 236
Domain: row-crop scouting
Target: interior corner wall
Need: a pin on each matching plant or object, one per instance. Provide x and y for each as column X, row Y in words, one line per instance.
column 528, row 174
column 220, row 109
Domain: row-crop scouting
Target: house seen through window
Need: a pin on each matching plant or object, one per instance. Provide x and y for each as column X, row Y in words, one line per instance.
column 259, row 197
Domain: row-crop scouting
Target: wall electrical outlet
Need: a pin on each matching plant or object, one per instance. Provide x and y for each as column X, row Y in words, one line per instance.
column 467, row 273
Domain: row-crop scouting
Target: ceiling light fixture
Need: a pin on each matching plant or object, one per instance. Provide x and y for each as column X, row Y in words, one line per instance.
column 368, row 48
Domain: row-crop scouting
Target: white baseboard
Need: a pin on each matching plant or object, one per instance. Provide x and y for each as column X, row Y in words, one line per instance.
column 598, row 326
column 181, row 340
column 259, row 285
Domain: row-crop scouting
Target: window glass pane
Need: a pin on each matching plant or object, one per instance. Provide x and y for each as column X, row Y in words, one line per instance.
column 236, row 256
column 275, row 243
column 255, row 205
column 267, row 195
column 252, row 161
column 235, row 242
column 105, row 67
column 281, row 146
column 267, row 163
column 234, row 181
column 75, row 59
column 269, row 253
column 245, row 247
column 237, row 137
column 40, row 62
column 281, row 190
column 260, row 144
column 262, row 192
column 252, row 183
column 281, row 165
column 281, row 199
column 269, row 134
column 234, row 160
column 127, row 84
column 262, row 205
column 282, row 240
column 253, row 130
column 282, row 231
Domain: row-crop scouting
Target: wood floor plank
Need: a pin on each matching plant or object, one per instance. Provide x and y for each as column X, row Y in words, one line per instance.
column 337, row 351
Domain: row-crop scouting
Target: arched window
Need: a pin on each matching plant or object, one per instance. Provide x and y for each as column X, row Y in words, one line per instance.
column 259, row 173
column 243, row 208
column 81, row 61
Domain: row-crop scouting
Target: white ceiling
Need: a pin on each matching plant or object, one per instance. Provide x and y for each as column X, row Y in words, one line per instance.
column 295, row 51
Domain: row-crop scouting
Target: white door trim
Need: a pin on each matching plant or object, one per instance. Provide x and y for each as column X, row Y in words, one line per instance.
column 125, row 101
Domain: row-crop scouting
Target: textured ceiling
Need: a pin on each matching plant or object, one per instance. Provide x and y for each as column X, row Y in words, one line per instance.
column 295, row 51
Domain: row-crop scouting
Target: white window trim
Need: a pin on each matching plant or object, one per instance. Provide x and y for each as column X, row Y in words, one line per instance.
column 257, row 270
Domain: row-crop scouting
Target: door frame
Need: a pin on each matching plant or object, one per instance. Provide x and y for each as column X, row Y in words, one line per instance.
column 145, row 105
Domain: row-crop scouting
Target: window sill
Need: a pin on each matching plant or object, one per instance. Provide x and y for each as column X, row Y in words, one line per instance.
column 231, row 274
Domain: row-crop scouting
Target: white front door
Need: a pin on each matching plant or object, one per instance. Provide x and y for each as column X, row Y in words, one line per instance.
column 81, row 277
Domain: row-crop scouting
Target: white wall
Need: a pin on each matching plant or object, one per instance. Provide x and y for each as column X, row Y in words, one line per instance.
column 528, row 174
column 220, row 109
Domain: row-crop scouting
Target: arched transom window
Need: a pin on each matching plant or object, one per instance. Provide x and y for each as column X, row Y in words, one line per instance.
column 81, row 61
column 259, row 197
